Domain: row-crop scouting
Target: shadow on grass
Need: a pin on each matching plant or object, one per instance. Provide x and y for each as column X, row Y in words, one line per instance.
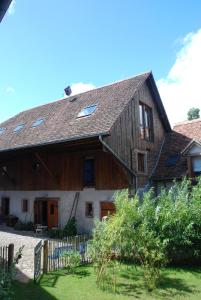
column 30, row 291
column 50, row 279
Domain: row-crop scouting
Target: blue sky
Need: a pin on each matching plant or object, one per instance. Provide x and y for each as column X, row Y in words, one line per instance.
column 47, row 45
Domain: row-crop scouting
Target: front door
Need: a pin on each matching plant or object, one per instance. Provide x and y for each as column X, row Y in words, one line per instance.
column 52, row 213
column 107, row 208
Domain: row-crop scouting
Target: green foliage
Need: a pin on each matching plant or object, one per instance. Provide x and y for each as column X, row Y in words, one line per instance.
column 6, row 278
column 27, row 226
column 73, row 260
column 69, row 230
column 71, row 227
column 193, row 113
column 160, row 230
column 179, row 222
column 129, row 234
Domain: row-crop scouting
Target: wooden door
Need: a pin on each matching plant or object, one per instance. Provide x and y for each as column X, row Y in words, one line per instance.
column 107, row 208
column 52, row 213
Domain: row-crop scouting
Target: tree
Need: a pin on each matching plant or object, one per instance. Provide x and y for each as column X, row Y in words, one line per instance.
column 193, row 113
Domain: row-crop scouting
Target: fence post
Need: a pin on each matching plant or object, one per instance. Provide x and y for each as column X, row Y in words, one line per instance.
column 10, row 254
column 45, row 256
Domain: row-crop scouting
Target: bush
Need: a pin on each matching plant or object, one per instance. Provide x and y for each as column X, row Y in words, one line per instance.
column 73, row 260
column 69, row 230
column 6, row 278
column 27, row 226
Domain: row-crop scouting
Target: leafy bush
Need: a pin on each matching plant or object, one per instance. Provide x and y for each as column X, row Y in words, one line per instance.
column 179, row 222
column 73, row 260
column 6, row 277
column 128, row 234
column 27, row 226
column 69, row 230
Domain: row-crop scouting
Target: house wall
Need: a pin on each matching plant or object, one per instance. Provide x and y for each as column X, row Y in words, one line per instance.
column 125, row 134
column 65, row 202
column 59, row 171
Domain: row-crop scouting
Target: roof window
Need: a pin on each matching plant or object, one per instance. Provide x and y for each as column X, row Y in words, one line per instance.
column 2, row 130
column 87, row 111
column 38, row 122
column 18, row 128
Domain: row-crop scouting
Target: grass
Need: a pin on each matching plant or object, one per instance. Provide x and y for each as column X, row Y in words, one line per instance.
column 176, row 283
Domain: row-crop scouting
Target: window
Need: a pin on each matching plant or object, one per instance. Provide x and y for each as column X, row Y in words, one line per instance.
column 146, row 122
column 141, row 162
column 18, row 128
column 87, row 111
column 196, row 165
column 2, row 130
column 89, row 209
column 24, row 205
column 89, row 172
column 37, row 123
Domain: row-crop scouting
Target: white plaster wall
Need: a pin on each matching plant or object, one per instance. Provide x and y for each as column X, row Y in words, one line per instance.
column 65, row 203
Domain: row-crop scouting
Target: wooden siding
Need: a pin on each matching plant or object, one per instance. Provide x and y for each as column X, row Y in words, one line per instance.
column 125, row 134
column 65, row 172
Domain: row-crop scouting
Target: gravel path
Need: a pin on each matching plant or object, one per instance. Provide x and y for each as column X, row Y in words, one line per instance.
column 25, row 266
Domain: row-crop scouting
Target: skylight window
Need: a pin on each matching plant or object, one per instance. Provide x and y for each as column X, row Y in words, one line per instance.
column 38, row 122
column 2, row 130
column 87, row 111
column 18, row 128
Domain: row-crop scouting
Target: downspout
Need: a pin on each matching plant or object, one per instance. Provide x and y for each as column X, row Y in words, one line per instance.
column 129, row 170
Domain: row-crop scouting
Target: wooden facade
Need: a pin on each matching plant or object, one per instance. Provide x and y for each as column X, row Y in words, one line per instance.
column 59, row 171
column 125, row 137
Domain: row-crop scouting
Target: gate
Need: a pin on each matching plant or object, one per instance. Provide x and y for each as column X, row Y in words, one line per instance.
column 38, row 260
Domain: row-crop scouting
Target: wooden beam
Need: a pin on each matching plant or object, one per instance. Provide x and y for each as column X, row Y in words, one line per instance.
column 52, row 175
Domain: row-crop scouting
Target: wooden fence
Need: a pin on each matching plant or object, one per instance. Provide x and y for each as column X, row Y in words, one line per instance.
column 54, row 250
column 6, row 256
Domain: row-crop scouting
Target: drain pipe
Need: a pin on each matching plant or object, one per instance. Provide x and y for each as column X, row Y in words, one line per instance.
column 129, row 170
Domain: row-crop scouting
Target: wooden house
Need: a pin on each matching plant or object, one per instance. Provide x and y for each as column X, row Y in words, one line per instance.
column 69, row 157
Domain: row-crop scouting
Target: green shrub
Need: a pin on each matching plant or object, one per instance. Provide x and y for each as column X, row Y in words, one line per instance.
column 69, row 230
column 27, row 226
column 72, row 260
column 6, row 278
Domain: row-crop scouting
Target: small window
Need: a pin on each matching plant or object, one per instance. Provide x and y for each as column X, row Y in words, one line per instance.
column 38, row 122
column 146, row 122
column 2, row 130
column 89, row 210
column 89, row 172
column 196, row 165
column 87, row 111
column 18, row 128
column 24, row 205
column 141, row 162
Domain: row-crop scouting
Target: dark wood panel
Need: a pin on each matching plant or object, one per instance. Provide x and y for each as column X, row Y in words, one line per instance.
column 60, row 171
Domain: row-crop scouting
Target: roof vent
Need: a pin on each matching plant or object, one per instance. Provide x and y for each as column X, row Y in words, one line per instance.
column 68, row 91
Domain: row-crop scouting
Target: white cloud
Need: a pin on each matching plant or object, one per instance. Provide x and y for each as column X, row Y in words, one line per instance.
column 11, row 9
column 181, row 89
column 9, row 90
column 81, row 87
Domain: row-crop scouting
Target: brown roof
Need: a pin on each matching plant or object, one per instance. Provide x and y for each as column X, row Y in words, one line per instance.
column 172, row 163
column 191, row 129
column 61, row 122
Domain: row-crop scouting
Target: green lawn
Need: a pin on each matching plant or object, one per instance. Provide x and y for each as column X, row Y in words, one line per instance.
column 176, row 283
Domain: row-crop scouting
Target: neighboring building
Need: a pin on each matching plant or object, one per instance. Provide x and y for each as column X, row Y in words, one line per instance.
column 69, row 157
column 4, row 5
column 180, row 155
